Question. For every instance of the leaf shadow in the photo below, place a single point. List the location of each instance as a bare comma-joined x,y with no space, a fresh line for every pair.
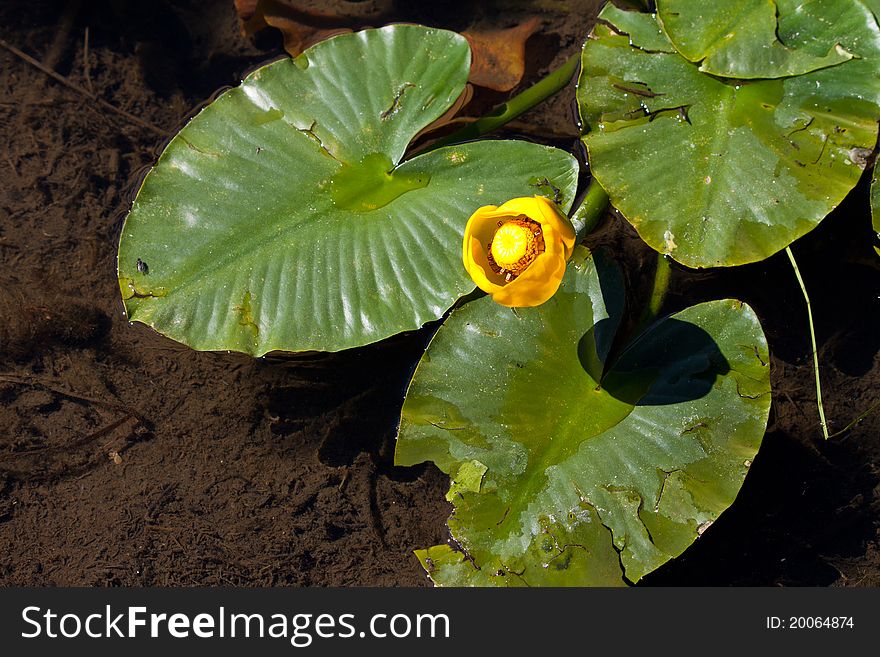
670,363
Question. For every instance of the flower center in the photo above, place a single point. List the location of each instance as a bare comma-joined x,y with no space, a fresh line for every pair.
514,246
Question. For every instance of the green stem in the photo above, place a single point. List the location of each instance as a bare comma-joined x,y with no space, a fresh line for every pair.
659,287
593,205
512,108
800,280
855,421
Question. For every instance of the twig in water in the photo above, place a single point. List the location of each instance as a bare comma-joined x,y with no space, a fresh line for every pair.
87,67
34,382
78,89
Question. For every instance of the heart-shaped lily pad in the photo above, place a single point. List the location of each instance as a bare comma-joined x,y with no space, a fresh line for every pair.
763,38
719,172
563,475
282,218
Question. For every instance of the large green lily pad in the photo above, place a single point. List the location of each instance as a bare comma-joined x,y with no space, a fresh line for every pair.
764,38
282,218
562,475
720,172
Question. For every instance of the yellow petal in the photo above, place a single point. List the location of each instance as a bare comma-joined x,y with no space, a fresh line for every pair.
477,234
559,222
527,205
480,271
535,285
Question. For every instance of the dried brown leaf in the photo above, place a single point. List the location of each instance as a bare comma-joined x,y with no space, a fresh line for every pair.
302,24
499,56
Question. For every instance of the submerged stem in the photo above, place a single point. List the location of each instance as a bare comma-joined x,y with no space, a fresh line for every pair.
512,108
659,287
856,420
800,280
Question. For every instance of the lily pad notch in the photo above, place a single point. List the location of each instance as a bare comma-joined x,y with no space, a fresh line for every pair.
284,217
720,170
570,470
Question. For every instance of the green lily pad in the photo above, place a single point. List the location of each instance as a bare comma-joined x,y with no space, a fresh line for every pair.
764,38
282,218
562,475
719,172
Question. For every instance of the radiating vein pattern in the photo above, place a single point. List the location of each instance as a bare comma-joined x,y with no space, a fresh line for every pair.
282,218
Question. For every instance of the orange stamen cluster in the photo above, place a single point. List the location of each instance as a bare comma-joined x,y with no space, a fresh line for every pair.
514,246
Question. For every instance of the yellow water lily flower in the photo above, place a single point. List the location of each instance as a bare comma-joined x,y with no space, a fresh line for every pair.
517,252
